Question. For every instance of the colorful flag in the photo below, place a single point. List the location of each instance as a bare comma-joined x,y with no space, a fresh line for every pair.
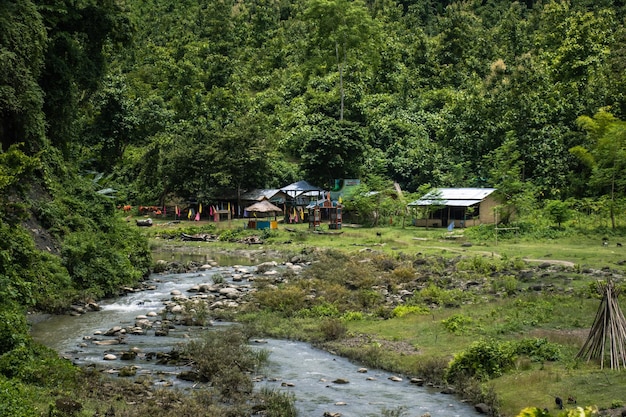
200,208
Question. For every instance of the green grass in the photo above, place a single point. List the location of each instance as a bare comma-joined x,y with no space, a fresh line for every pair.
562,314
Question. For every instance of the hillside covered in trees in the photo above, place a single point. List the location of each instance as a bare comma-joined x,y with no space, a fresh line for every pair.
191,98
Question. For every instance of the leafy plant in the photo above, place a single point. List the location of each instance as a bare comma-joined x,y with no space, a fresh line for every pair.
457,323
403,310
484,359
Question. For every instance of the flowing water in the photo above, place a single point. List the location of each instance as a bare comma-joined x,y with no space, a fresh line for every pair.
294,367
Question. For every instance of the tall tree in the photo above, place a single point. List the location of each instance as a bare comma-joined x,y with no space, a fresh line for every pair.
340,28
22,45
605,155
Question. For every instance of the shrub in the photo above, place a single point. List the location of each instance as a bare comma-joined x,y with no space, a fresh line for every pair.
333,329
13,329
506,283
403,274
319,311
15,400
441,297
277,403
36,364
286,300
403,310
224,359
538,349
457,323
352,316
482,360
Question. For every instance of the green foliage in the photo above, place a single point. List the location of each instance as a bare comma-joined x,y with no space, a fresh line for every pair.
574,412
403,310
441,297
506,283
319,311
479,264
333,329
285,300
484,359
558,211
457,323
13,329
539,350
16,399
277,403
38,365
224,359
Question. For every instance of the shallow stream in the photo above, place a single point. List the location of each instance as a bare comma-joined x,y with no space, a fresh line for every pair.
295,367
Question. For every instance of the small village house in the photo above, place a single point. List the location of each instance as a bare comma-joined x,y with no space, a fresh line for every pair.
455,207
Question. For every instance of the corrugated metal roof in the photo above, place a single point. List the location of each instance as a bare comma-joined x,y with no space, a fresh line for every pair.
260,194
300,187
460,197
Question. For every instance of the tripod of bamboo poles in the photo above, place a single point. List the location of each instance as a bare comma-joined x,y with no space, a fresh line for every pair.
609,328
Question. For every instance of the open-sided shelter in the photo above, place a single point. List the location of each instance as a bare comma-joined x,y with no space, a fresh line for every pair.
459,207
300,193
261,213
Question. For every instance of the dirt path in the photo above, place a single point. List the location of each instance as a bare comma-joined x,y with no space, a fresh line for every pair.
551,261
497,255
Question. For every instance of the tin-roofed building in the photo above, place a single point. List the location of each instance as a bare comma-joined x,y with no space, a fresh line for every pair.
459,207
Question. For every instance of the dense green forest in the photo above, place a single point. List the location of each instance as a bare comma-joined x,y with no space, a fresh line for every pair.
108,102
175,99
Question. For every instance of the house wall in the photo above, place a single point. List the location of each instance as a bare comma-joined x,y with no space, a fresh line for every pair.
487,214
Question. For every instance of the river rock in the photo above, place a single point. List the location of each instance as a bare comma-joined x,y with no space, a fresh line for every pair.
128,355
113,331
175,292
417,381
109,357
447,390
177,309
152,314
362,370
205,267
482,408
341,381
425,414
92,306
229,292
143,323
287,384
395,378
331,414
163,331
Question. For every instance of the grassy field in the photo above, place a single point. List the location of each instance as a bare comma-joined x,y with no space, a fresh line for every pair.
562,316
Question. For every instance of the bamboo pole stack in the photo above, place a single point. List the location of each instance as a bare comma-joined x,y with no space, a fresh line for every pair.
608,330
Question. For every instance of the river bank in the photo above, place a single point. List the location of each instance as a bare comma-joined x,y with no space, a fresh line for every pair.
448,295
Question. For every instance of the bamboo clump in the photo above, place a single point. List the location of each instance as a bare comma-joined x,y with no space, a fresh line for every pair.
609,328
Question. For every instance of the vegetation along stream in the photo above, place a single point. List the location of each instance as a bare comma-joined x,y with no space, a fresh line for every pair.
320,381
